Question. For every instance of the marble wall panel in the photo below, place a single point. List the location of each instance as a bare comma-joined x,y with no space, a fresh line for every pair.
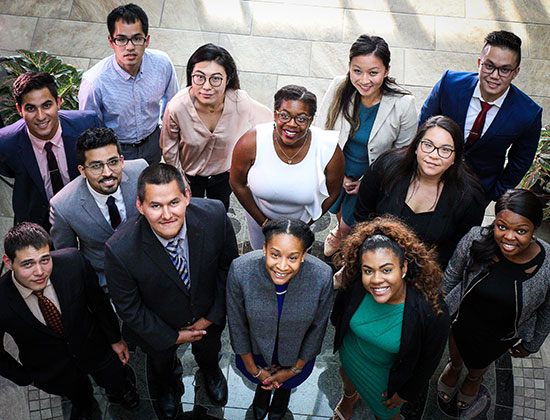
268,55
539,40
79,62
428,7
42,8
337,4
420,94
466,35
534,77
179,45
399,30
260,86
527,11
232,16
315,85
425,68
16,32
298,22
97,11
544,102
86,39
329,59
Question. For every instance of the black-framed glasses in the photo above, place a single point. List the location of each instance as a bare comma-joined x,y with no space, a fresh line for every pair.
444,152
137,41
489,68
200,79
300,119
97,167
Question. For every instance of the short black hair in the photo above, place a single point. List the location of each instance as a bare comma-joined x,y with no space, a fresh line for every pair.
129,13
296,93
211,52
293,227
24,235
94,138
33,80
505,39
159,174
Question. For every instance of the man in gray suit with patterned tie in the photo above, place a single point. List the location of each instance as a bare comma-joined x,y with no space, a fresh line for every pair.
88,210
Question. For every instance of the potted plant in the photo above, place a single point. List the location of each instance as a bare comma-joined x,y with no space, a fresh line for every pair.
68,80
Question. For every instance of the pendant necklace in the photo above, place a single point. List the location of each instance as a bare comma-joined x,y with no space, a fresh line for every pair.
289,158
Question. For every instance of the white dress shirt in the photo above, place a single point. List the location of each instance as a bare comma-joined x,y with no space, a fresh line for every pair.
475,108
101,201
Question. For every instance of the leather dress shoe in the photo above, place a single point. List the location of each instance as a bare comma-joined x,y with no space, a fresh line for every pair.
82,412
216,387
260,404
128,399
169,400
279,404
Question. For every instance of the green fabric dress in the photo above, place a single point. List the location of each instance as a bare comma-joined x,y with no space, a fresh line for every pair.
369,350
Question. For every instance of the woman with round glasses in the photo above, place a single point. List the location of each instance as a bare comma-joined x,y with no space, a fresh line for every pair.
203,122
288,168
427,185
372,113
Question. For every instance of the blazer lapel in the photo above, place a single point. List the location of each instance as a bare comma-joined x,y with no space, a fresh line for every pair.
386,105
69,144
89,206
160,257
463,98
128,197
195,241
64,304
26,153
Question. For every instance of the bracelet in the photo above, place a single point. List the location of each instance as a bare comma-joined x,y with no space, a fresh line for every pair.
260,370
265,221
295,370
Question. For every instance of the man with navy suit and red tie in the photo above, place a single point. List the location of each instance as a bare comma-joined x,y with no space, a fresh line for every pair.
498,120
39,149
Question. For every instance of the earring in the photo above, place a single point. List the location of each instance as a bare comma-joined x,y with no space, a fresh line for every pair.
403,276
274,126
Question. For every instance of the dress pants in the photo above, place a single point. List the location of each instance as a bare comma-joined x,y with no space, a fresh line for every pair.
215,187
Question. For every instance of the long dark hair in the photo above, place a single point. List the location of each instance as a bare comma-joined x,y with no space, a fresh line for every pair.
520,201
211,52
402,163
346,93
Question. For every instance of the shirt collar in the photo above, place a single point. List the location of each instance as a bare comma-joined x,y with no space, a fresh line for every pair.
25,291
125,75
56,140
102,198
182,234
498,102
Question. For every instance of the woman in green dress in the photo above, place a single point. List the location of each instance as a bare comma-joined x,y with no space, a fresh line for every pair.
391,321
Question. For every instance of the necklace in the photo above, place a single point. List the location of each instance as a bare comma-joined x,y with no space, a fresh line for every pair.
281,293
289,158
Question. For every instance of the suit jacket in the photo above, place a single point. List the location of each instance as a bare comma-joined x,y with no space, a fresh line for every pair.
74,214
252,309
423,338
394,126
146,288
89,326
17,160
516,127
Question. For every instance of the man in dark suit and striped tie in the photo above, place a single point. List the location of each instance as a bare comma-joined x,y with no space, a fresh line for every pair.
166,271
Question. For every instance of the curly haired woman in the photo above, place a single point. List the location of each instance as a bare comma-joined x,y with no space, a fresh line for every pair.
391,321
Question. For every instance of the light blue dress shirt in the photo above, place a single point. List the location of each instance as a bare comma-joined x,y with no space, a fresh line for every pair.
131,106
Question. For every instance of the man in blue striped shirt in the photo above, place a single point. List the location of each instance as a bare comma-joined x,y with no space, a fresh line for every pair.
127,88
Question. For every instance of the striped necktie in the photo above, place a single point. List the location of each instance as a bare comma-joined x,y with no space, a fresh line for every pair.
51,314
179,262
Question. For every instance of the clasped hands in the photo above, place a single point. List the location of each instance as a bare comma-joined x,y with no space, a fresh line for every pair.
193,332
273,377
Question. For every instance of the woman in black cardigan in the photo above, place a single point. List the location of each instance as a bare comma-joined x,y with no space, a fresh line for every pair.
428,186
386,266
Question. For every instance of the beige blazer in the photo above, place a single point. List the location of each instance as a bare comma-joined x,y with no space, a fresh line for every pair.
395,124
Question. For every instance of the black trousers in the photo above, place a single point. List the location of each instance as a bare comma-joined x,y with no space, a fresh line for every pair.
164,363
215,187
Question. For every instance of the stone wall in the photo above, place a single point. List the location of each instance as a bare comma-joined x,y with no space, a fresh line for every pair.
297,41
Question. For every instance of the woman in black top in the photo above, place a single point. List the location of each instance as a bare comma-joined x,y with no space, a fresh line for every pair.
427,185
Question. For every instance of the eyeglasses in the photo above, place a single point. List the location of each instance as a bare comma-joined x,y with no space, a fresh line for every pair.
489,68
137,41
200,79
443,151
286,117
97,167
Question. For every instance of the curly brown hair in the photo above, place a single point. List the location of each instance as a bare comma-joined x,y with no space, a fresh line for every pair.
424,273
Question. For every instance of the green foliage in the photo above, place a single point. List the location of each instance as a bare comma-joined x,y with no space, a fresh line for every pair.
537,177
68,80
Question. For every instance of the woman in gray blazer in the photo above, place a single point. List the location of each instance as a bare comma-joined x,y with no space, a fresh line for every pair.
278,304
372,113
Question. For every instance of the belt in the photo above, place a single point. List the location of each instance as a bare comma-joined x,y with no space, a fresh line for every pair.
142,141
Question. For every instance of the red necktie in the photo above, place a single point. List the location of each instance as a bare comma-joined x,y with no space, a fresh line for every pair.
51,314
477,128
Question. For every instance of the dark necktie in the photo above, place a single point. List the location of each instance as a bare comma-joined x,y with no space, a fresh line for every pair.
179,262
51,314
477,128
53,169
114,215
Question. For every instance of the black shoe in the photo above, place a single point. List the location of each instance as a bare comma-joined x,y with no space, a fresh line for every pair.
260,404
216,387
169,399
129,399
82,412
279,404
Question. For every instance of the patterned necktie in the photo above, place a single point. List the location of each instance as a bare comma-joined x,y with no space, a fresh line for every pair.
179,262
114,215
477,127
53,169
51,314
